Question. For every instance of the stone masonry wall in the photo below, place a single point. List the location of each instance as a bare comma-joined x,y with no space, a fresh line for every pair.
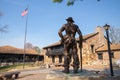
89,54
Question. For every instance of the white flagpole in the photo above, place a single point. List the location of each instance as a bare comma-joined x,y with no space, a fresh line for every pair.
25,38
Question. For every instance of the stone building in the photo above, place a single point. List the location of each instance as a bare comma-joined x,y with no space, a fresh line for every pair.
9,54
103,55
92,44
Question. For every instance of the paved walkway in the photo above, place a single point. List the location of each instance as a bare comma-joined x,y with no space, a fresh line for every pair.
57,74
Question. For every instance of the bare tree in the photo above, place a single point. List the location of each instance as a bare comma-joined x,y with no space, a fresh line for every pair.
3,29
29,45
1,13
114,35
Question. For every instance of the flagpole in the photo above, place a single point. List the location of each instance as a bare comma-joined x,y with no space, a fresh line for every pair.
26,25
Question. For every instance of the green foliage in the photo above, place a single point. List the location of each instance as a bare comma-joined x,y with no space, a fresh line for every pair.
57,1
17,66
69,2
7,68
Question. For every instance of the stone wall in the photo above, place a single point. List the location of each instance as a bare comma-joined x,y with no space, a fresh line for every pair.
116,56
89,47
91,44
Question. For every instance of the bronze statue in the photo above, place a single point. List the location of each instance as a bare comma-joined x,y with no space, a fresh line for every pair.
70,44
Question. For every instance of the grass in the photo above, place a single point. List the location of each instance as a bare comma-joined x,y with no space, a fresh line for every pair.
17,67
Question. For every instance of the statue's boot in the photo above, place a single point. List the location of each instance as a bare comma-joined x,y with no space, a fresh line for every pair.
66,70
75,70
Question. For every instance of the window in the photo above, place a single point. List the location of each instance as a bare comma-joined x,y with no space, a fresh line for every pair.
112,55
53,59
92,48
60,59
100,56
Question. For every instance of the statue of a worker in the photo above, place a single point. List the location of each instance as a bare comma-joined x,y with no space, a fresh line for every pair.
70,44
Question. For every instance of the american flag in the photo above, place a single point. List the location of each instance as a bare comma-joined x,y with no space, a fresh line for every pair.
24,12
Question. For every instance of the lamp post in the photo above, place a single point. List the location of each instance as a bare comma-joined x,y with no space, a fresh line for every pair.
106,27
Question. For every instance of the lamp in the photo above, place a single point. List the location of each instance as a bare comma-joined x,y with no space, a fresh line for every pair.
106,27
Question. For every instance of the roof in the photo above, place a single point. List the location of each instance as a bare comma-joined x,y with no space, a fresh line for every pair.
14,50
54,44
88,36
113,47
84,38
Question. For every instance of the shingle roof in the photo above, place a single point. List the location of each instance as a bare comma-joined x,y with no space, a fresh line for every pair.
14,50
88,36
84,38
54,44
113,47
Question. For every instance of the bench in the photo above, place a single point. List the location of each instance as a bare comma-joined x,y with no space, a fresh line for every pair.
9,75
1,78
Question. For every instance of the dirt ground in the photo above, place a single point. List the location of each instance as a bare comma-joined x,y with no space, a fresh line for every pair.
55,73
95,72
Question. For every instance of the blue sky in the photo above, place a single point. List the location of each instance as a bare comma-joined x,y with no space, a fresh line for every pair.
45,19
